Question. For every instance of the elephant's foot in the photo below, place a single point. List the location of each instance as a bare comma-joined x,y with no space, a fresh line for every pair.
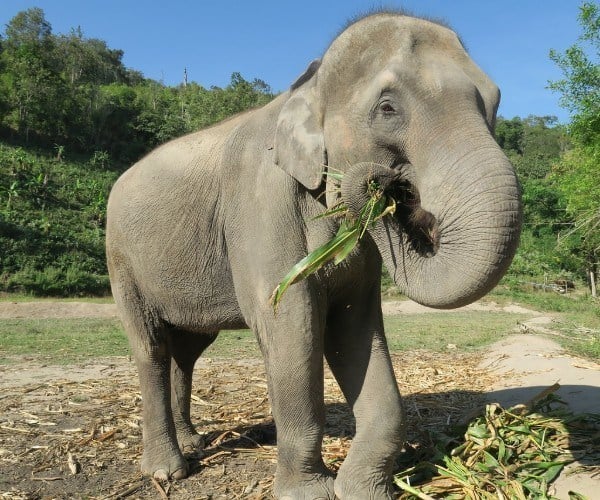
164,464
189,440
191,443
305,487
362,485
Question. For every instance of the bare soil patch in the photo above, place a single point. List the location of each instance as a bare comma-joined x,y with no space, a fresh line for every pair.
52,309
393,307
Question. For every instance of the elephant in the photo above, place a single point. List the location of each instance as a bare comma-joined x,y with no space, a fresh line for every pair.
201,230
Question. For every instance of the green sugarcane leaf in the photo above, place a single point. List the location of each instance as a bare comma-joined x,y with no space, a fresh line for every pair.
502,455
341,245
413,491
347,247
333,212
379,207
552,472
523,429
533,487
315,260
365,220
483,467
334,175
478,431
573,495
541,465
490,460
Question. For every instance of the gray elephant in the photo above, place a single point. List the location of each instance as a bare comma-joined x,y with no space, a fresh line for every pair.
200,232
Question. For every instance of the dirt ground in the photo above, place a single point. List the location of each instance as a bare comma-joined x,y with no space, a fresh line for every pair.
75,431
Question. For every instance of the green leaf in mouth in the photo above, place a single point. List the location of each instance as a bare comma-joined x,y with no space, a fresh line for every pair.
351,230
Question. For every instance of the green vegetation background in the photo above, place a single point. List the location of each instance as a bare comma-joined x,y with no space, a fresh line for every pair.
73,117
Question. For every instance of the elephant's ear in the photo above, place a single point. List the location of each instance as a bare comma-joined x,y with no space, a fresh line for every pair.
299,143
488,91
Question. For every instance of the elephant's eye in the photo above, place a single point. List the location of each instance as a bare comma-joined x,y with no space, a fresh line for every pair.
386,108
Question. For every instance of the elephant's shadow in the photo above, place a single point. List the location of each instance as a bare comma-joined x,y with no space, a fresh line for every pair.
424,431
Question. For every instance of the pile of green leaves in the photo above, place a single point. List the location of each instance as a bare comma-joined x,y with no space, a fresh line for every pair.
351,230
506,454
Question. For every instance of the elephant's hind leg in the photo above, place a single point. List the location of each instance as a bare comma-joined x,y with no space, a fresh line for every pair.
161,457
149,343
186,348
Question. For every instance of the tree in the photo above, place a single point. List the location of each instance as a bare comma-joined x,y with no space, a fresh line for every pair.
30,80
533,145
27,28
76,92
580,87
509,134
578,175
85,66
163,114
89,60
4,106
114,116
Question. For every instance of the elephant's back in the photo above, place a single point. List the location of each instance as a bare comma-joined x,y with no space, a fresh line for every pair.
163,234
167,217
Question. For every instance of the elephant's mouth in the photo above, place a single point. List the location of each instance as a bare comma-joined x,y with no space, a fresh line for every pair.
416,227
420,226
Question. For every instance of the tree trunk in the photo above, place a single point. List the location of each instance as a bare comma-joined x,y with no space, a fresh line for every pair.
593,281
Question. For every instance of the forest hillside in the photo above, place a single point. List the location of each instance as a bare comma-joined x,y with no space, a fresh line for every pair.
73,117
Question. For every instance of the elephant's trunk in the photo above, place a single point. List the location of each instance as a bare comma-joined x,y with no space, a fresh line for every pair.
455,230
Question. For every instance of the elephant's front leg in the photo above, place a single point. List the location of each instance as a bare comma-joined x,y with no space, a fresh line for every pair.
358,356
292,345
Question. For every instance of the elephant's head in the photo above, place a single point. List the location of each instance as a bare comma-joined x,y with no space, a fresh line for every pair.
397,99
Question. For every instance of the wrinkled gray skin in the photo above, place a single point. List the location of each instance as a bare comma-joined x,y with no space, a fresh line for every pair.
200,232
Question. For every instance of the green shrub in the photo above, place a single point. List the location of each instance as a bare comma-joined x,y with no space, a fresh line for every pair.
57,281
52,217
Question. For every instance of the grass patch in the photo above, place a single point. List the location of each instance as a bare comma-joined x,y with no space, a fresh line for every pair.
437,331
62,341
578,321
579,334
234,344
547,301
76,340
17,297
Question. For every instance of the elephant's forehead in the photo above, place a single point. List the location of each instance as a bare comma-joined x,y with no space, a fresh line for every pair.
397,74
431,74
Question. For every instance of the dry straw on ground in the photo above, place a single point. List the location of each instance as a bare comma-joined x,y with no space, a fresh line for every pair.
70,438
74,439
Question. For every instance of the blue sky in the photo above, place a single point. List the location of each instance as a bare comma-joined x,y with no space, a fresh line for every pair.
275,40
